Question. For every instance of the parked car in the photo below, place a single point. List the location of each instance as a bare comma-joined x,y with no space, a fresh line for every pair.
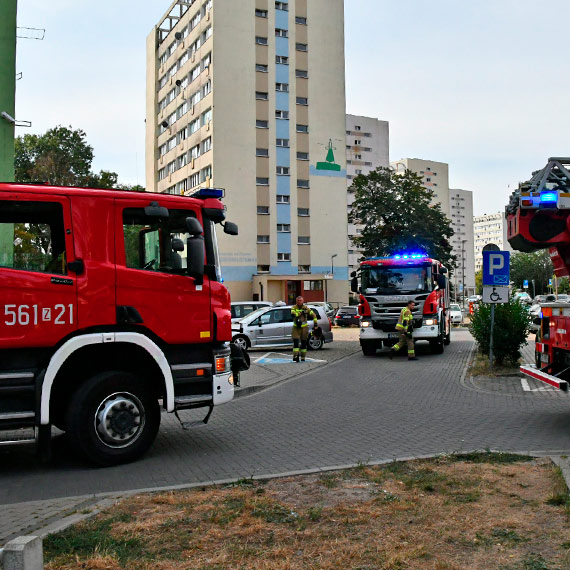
271,328
241,309
347,315
564,298
329,309
544,299
523,297
535,312
455,314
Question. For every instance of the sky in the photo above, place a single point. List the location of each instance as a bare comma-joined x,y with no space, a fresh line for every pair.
479,84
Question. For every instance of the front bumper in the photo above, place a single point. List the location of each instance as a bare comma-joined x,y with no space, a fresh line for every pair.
426,332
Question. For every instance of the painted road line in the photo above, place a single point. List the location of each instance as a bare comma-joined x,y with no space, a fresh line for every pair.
279,358
527,388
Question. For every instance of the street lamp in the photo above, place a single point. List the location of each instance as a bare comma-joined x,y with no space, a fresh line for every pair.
332,263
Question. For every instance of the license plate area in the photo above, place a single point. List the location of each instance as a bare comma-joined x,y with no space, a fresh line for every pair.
544,358
392,335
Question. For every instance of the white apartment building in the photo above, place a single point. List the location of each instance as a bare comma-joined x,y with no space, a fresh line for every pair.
250,96
367,148
435,177
489,228
461,215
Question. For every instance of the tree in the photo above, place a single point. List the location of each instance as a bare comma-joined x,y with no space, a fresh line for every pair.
61,157
532,266
479,282
398,214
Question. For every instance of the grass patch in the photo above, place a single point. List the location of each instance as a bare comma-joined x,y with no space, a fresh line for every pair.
445,513
480,366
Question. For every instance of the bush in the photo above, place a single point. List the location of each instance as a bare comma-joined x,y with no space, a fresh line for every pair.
512,325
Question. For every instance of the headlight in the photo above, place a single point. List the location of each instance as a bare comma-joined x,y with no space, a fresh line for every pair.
365,324
430,322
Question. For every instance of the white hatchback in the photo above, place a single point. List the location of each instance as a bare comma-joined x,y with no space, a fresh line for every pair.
455,314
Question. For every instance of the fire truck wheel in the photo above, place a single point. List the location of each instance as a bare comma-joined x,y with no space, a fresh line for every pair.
112,418
448,337
438,344
368,348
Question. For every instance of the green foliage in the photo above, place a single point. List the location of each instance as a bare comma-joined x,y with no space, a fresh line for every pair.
479,282
512,325
397,213
536,265
61,157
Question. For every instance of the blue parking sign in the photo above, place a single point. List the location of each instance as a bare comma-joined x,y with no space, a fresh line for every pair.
496,268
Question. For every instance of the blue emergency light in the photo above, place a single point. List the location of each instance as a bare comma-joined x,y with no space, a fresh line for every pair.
209,193
548,197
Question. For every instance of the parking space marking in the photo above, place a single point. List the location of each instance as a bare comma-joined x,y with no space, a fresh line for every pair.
527,388
280,358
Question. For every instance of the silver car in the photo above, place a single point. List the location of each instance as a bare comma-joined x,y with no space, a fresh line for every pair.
455,314
271,328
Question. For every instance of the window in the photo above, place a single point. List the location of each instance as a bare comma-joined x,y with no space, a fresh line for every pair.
194,180
282,6
281,33
282,170
282,59
263,268
262,124
153,244
263,210
261,13
301,73
261,67
303,212
302,128
284,228
302,101
261,152
283,87
206,145
304,268
358,156
282,142
302,183
262,95
195,151
261,41
301,47
303,240
281,114
283,257
262,239
357,127
302,156
282,199
313,285
300,20
262,181
206,117
35,237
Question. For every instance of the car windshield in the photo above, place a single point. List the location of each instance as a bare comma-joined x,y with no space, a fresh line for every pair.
255,313
455,307
396,280
349,310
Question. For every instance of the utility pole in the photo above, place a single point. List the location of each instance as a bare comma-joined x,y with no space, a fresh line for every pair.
8,22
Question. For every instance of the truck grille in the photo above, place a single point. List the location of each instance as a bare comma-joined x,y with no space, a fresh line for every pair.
385,311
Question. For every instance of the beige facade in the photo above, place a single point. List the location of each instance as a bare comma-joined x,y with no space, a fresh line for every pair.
249,97
461,215
489,228
435,177
367,148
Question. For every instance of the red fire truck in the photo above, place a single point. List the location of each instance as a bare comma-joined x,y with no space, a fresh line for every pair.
538,217
110,302
387,284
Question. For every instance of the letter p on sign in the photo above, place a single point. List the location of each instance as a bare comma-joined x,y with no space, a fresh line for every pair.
496,269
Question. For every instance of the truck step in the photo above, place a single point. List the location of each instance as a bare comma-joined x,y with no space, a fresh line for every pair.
16,420
8,379
183,401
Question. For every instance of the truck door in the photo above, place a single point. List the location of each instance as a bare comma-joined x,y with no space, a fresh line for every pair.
38,294
153,289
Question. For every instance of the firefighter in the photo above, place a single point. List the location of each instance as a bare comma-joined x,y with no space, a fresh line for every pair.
301,315
405,327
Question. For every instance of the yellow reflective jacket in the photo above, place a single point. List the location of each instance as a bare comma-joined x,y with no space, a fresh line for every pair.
405,319
303,314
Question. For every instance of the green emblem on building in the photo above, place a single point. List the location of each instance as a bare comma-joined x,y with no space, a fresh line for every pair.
330,163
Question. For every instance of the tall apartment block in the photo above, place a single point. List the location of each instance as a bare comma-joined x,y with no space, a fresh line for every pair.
435,177
367,148
250,96
461,215
489,228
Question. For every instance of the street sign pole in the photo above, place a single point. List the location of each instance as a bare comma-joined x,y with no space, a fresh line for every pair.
491,340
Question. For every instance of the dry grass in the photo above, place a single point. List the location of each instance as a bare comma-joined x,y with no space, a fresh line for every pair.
480,366
442,514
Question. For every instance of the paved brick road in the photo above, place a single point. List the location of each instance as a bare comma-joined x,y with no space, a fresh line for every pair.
358,409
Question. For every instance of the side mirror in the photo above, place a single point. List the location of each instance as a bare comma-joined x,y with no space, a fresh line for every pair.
353,274
231,228
196,257
443,270
354,284
156,211
177,244
193,226
441,281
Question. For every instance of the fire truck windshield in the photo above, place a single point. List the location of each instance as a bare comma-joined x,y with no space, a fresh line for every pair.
384,280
